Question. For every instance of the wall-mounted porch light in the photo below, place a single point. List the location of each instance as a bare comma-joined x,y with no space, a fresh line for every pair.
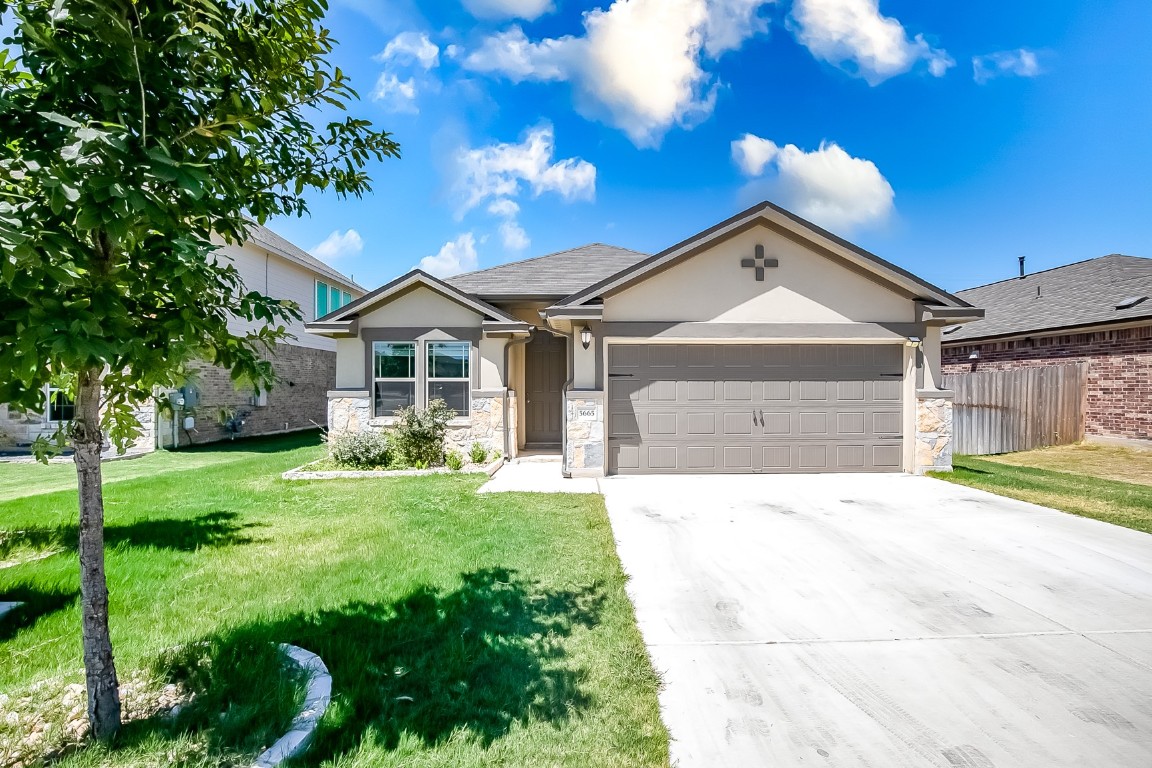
975,355
585,337
913,341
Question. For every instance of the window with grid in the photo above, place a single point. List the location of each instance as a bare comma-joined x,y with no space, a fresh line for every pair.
448,374
394,376
60,407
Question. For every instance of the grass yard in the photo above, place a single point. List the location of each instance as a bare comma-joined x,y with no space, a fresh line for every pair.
460,630
1104,483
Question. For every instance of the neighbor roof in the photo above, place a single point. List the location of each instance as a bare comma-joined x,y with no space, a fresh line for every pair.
1080,294
548,277
271,241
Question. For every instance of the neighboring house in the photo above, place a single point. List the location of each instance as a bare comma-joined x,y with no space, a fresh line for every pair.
763,344
305,365
1097,312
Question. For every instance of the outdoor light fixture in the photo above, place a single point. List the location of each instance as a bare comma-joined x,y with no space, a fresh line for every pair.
585,337
913,341
974,356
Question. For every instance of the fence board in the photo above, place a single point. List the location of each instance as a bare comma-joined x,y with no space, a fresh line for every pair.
1004,411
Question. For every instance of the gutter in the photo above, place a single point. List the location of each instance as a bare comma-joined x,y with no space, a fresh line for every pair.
507,350
564,470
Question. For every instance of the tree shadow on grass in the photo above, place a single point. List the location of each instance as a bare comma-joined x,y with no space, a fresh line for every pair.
478,659
181,534
35,603
259,443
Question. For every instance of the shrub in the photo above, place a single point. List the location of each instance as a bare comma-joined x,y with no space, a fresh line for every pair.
454,460
364,450
478,453
419,434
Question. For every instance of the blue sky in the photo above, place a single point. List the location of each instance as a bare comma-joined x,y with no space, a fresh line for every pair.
946,137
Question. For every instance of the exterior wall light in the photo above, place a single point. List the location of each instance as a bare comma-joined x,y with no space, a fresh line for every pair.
975,355
913,341
585,337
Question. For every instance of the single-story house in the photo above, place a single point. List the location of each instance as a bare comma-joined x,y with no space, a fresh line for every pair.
304,364
762,344
1097,312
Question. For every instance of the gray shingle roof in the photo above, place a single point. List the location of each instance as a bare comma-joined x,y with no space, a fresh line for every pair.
271,241
1084,293
553,276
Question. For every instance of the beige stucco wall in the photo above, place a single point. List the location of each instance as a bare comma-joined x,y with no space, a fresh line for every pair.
421,307
491,363
711,286
350,364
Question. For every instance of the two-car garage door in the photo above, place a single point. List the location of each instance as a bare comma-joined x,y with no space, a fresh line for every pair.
754,408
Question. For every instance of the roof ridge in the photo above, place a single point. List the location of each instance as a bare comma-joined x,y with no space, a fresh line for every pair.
1052,269
543,256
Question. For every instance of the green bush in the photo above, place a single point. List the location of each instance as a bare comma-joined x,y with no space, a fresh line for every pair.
363,450
419,434
454,460
478,453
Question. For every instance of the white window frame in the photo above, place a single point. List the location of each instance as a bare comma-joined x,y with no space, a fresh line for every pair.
414,378
429,379
49,390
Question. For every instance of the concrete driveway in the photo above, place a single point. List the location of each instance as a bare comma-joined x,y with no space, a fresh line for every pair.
886,620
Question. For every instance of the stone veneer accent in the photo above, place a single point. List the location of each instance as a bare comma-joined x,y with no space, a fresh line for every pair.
20,428
933,449
584,444
351,411
1119,397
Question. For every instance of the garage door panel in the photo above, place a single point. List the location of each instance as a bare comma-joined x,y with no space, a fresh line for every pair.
755,408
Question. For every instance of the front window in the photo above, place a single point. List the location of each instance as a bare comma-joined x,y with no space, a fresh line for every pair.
394,374
60,407
448,374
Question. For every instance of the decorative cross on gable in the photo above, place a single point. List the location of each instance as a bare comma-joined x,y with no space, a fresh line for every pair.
759,263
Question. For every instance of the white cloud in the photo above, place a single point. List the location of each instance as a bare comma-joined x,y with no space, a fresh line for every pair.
396,95
412,53
504,170
411,48
513,236
339,245
853,35
508,9
454,257
638,65
827,186
503,207
1019,63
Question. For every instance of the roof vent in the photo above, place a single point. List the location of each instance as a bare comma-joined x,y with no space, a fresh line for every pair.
1130,302
952,329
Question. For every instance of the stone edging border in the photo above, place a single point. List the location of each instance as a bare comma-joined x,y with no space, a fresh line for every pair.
302,472
316,699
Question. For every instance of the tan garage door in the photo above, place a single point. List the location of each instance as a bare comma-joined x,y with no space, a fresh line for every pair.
754,408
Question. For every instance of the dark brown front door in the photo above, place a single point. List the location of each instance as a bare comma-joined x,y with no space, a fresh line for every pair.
545,371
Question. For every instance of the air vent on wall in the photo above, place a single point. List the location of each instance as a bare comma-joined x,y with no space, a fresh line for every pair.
1130,302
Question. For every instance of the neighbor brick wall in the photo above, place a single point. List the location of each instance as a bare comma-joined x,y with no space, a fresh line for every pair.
299,400
1119,372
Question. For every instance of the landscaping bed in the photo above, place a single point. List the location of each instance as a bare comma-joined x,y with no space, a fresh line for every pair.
459,629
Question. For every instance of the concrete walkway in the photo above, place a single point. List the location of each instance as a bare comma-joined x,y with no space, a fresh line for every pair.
537,474
887,621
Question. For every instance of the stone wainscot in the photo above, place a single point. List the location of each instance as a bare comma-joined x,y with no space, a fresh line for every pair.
584,422
351,411
933,431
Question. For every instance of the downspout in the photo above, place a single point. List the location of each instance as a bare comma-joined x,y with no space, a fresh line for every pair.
507,389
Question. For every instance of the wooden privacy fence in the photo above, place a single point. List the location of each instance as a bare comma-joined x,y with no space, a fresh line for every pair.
1003,411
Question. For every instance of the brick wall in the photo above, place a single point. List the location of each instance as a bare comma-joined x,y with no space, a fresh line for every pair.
1119,372
299,400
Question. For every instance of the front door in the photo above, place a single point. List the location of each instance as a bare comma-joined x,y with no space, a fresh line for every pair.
544,375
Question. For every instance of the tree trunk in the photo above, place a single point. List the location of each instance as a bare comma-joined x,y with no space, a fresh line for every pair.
99,666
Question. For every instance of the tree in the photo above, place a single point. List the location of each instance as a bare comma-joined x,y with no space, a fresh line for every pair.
134,132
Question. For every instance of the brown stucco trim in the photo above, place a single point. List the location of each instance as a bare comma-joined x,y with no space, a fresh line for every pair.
753,332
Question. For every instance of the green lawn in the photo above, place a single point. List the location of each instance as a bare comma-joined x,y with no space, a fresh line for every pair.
1076,490
460,630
